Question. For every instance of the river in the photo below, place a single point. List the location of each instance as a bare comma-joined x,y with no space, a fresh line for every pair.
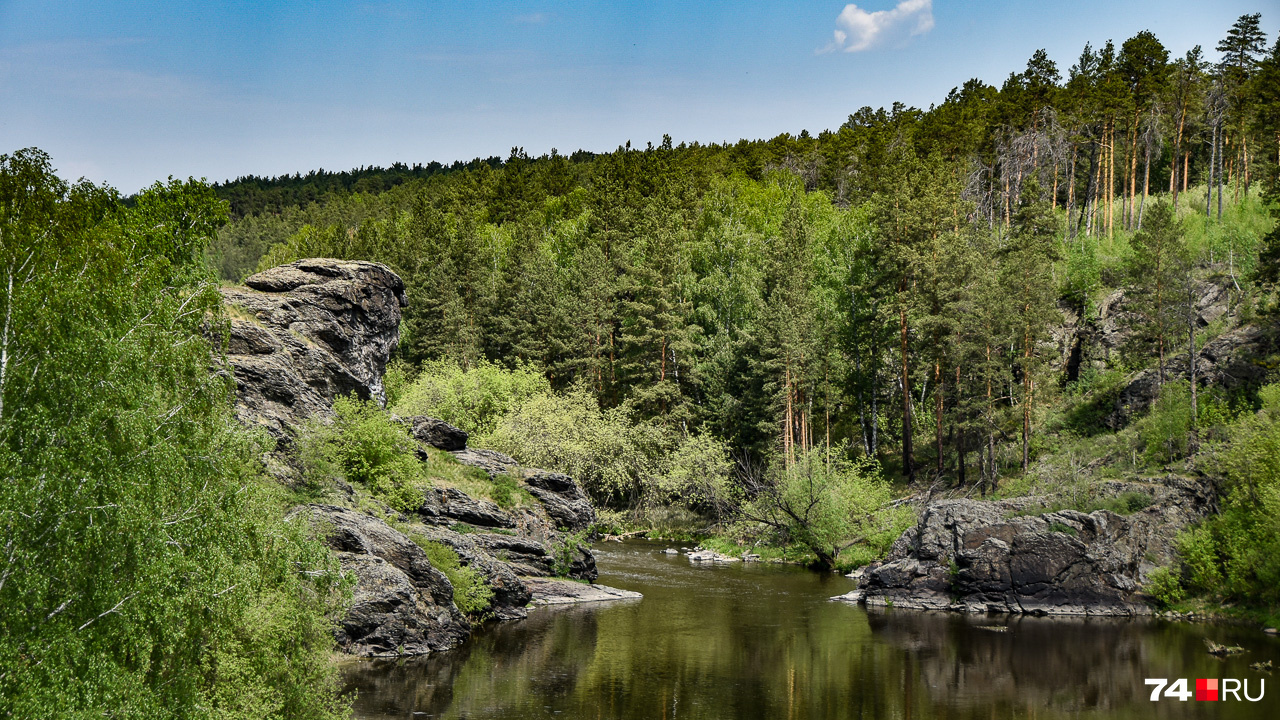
762,641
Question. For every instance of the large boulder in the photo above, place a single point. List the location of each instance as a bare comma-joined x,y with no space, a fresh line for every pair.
981,556
402,605
436,433
302,334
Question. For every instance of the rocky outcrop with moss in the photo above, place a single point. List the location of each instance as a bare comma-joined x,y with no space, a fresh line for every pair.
306,333
1016,556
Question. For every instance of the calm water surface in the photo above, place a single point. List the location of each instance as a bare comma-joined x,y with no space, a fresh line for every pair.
763,641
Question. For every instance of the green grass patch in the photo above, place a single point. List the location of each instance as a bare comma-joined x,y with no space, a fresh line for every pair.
471,593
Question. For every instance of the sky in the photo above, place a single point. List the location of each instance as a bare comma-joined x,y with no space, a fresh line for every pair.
130,92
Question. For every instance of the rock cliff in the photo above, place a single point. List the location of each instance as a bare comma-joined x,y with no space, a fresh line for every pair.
305,333
1002,556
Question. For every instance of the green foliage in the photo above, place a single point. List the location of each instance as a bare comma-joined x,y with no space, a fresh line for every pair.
474,399
471,593
827,505
146,569
1166,430
1164,587
370,449
1198,551
397,380
569,432
1242,544
505,491
1062,528
565,550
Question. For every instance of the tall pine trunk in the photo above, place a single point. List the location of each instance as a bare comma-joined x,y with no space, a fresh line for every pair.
908,465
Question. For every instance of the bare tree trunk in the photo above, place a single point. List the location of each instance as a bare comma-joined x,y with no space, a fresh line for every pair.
907,463
1191,365
937,409
1213,155
1221,152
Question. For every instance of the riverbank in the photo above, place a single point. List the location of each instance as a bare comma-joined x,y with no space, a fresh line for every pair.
761,640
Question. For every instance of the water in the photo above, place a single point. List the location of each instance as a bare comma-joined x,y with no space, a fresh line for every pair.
762,641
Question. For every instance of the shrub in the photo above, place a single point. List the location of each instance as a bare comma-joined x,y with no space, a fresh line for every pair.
1166,430
828,506
1163,586
1199,553
471,593
475,399
147,568
608,455
372,450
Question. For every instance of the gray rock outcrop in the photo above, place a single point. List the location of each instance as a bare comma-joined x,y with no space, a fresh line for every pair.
436,433
977,556
402,605
302,334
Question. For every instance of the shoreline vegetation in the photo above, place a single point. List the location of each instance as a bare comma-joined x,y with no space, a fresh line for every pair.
787,347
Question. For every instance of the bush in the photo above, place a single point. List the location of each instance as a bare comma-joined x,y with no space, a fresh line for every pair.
475,399
1199,553
828,506
366,447
1166,430
1237,553
612,458
1163,586
471,593
147,569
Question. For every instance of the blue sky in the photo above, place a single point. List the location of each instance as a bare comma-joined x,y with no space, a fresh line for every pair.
131,92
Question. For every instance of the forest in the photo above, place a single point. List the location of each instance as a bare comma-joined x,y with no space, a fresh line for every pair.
771,343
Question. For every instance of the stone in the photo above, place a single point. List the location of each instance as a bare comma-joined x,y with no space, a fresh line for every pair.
402,605
977,556
305,333
436,433
710,556
444,504
569,507
490,461
853,596
549,591
510,594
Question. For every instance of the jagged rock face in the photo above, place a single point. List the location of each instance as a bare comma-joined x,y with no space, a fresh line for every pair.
305,333
1230,360
565,502
510,594
973,556
444,504
402,605
436,433
1099,340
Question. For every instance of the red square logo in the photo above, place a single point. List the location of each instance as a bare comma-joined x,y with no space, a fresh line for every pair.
1207,689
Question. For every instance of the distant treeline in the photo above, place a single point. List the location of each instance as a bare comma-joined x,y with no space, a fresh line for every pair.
890,284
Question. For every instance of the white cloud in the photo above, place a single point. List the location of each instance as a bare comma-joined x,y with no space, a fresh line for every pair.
857,29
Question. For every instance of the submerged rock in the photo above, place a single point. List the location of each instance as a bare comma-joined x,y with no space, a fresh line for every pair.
977,556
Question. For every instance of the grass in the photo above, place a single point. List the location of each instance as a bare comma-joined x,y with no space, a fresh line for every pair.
445,471
471,593
1124,504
